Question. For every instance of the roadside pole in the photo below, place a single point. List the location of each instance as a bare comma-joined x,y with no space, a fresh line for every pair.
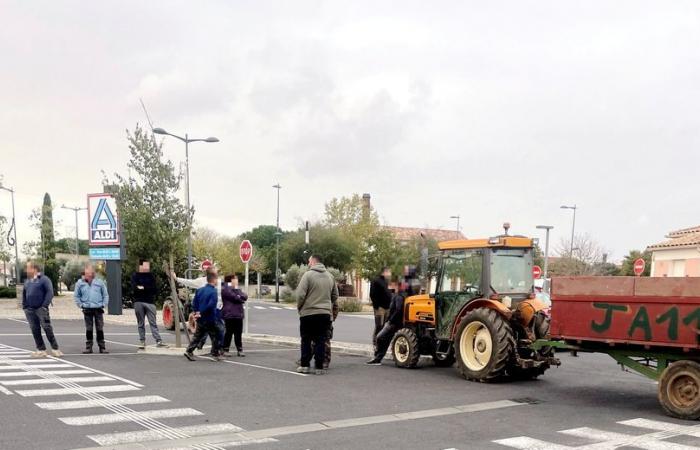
245,305
176,302
245,251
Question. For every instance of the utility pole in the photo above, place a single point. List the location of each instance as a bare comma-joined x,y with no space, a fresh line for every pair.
75,209
13,241
456,217
546,247
277,257
573,228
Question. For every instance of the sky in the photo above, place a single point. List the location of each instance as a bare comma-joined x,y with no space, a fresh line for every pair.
495,111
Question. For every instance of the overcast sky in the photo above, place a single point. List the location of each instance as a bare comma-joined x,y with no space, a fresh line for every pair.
496,111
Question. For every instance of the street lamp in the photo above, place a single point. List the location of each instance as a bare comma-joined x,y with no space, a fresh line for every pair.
573,228
187,141
456,217
546,246
277,237
13,227
75,209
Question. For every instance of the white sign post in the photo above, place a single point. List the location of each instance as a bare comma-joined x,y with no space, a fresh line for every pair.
246,253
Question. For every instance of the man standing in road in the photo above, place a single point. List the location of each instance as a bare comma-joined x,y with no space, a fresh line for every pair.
204,307
381,299
317,294
144,287
92,298
36,298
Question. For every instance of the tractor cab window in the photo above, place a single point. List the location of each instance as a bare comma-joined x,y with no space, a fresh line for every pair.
511,270
461,271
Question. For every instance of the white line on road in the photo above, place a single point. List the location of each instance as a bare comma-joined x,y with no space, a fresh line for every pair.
80,404
259,307
70,334
100,419
5,391
257,367
47,365
76,390
54,381
690,430
275,307
25,361
152,435
24,373
18,320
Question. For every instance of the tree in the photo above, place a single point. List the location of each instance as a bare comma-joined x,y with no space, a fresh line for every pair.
357,223
67,245
628,263
154,221
264,241
588,258
380,250
222,250
329,243
47,235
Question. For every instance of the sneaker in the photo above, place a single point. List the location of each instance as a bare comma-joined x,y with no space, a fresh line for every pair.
374,362
227,354
104,350
189,356
39,354
161,344
301,369
321,371
142,345
240,354
57,353
326,366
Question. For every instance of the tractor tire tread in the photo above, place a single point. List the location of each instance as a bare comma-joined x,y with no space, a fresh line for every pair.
503,340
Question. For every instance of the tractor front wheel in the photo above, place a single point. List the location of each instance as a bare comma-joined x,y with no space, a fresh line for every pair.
679,390
405,348
168,315
484,345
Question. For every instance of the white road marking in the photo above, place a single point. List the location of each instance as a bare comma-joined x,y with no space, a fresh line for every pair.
360,316
526,443
17,320
80,404
73,334
690,430
258,367
48,372
275,307
26,361
5,391
46,365
100,419
57,380
152,435
290,308
259,307
76,390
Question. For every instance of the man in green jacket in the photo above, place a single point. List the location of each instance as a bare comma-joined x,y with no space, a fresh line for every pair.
317,295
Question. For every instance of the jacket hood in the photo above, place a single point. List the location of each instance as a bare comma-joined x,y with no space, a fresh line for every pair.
318,268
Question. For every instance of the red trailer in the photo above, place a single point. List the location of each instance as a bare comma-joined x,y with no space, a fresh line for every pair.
650,325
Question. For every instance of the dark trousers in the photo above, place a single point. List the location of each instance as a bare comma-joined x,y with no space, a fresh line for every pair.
314,329
384,339
380,316
145,311
94,319
205,329
234,328
38,318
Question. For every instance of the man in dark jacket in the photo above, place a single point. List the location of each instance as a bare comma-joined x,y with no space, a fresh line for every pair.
233,313
36,298
381,298
143,285
392,325
204,307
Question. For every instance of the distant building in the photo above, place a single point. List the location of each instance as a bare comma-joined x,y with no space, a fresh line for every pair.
678,256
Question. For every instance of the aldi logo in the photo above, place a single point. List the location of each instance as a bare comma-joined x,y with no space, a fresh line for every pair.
104,222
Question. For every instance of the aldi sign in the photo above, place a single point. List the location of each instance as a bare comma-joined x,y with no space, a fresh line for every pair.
104,222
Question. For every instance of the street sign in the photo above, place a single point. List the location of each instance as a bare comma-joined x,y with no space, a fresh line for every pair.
246,251
105,253
103,222
639,265
206,264
536,272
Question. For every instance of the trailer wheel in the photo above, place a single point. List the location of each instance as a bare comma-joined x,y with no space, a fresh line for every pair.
405,348
484,345
168,315
679,390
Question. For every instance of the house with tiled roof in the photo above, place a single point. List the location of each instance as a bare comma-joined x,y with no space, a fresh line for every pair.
678,255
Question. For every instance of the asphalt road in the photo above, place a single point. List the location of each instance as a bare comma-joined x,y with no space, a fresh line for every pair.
185,404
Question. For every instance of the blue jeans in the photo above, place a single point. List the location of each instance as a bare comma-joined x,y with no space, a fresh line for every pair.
38,318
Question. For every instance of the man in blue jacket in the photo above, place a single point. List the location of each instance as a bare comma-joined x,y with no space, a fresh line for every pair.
36,298
91,296
204,307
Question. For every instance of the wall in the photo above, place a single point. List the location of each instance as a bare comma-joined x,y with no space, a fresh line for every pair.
679,262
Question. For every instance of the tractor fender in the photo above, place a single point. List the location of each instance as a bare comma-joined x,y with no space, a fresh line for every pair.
499,307
527,310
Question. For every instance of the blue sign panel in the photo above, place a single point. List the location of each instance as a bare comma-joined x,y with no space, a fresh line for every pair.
105,253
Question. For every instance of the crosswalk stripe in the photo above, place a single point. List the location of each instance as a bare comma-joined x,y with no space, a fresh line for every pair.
275,307
54,380
239,443
101,419
259,307
81,404
154,435
527,443
38,366
25,361
47,372
15,356
76,390
290,308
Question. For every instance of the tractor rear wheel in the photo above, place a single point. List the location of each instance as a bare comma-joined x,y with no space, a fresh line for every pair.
484,345
679,390
405,348
168,315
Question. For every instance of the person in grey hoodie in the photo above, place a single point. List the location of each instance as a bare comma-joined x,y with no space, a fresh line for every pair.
317,294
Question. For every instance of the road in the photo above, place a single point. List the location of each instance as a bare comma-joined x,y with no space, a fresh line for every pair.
126,399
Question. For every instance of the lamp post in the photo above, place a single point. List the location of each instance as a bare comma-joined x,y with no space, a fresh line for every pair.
573,228
75,209
277,237
187,141
13,227
456,217
546,247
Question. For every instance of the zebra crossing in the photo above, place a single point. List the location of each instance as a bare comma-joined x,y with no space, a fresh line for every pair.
39,378
289,308
656,436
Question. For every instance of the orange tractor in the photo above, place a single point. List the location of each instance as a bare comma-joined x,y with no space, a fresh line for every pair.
483,313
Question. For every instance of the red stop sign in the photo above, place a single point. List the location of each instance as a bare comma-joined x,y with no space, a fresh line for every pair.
206,264
536,272
246,251
639,265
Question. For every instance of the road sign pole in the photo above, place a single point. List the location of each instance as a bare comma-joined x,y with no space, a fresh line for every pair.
245,305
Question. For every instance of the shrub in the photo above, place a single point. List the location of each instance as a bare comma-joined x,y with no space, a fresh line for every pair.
350,304
71,274
293,276
8,292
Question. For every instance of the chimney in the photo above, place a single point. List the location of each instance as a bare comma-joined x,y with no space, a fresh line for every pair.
366,204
